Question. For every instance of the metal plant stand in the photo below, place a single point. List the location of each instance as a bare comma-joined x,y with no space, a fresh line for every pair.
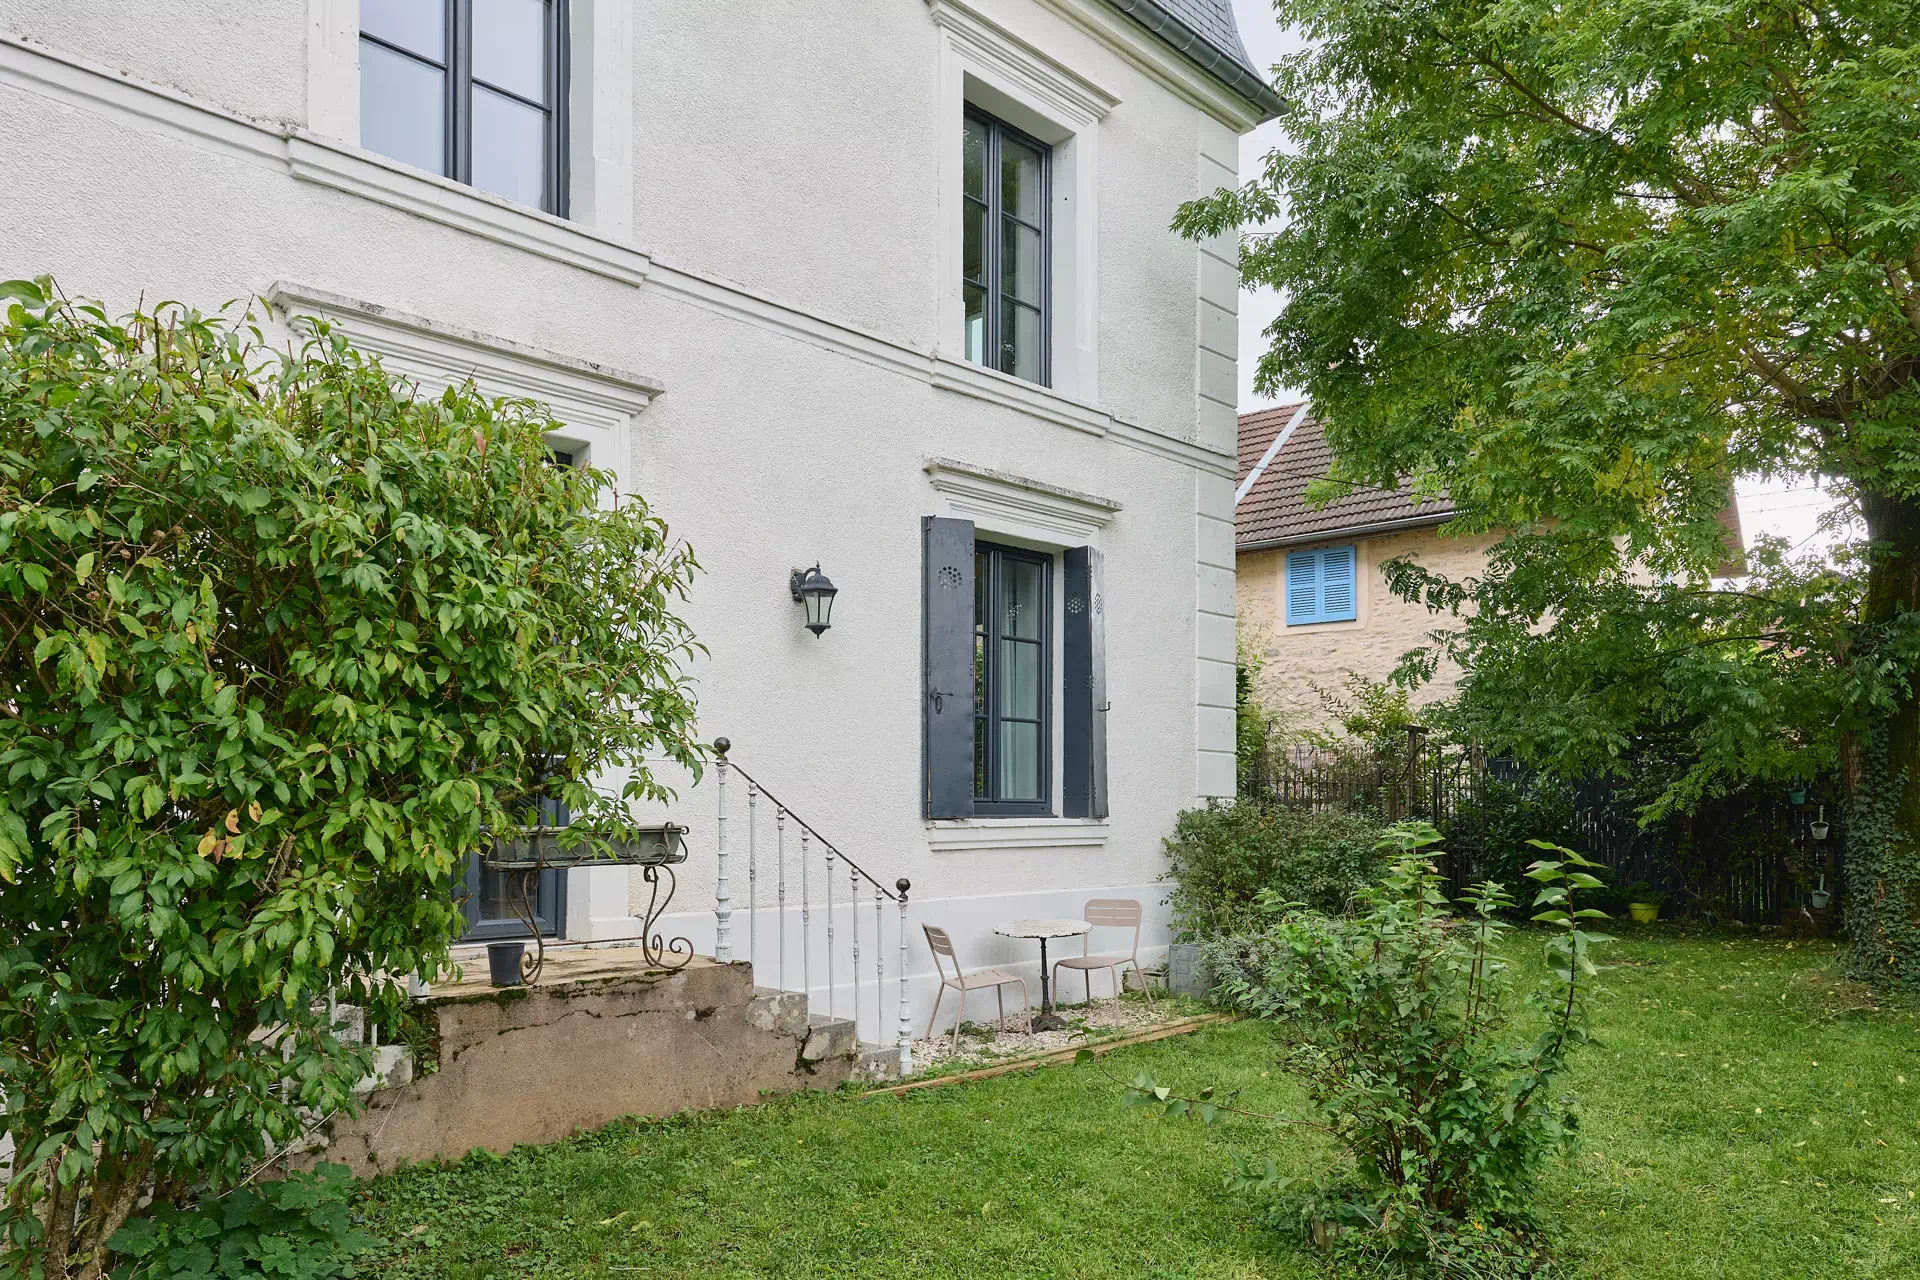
656,850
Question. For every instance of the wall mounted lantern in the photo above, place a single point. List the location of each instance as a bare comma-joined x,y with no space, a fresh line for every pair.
813,589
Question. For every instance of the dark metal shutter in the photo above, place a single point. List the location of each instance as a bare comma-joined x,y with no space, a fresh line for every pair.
1084,686
946,594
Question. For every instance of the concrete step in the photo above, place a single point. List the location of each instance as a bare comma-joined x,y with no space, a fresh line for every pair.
829,1038
877,1063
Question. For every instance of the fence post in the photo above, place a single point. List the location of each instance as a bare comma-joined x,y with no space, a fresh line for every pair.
722,900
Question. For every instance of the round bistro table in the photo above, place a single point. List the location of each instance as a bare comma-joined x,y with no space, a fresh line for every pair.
1043,930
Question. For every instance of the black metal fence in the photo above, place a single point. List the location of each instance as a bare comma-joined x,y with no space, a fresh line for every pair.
1758,856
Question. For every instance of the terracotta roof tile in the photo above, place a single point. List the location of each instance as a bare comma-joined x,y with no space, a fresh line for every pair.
1275,511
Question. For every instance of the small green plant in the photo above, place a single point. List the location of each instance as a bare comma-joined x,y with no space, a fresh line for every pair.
1222,857
1643,893
300,1228
1403,1034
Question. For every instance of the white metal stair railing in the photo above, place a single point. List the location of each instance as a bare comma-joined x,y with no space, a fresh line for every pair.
794,887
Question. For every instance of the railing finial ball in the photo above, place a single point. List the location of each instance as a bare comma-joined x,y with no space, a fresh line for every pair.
722,746
902,885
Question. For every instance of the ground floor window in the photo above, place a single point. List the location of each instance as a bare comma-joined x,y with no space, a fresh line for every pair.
1012,638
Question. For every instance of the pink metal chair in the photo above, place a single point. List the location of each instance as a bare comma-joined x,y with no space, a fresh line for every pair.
1119,913
998,979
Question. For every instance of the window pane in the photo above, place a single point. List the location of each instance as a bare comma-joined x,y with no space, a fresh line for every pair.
1020,275
403,108
1020,191
1024,599
510,45
1019,761
1020,340
973,241
509,148
976,324
974,160
419,25
1020,679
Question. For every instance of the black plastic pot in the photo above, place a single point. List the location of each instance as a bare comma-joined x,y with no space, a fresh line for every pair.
503,963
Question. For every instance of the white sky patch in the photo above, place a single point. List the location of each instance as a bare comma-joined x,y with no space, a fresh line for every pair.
1790,507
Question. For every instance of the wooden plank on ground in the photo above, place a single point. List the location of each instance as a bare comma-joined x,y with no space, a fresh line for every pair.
1178,1027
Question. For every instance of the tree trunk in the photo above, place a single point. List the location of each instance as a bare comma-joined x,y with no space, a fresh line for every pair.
1883,767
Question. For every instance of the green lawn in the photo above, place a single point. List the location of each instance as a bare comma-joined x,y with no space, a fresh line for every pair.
1744,1117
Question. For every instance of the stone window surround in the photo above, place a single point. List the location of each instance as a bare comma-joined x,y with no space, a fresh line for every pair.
1047,517
599,100
987,66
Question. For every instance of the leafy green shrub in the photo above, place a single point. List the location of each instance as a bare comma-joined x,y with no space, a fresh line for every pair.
1401,1028
282,643
300,1228
1222,857
1491,832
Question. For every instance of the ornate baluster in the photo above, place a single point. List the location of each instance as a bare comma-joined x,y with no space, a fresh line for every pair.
879,973
853,882
906,1022
780,865
829,931
806,919
722,901
753,888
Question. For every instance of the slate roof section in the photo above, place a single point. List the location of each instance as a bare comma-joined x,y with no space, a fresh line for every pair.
1204,31
1275,513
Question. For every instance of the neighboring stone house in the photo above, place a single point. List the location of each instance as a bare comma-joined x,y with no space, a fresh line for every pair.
1312,599
885,288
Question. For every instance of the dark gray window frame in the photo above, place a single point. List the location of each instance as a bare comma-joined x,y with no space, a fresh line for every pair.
457,144
549,898
987,719
993,246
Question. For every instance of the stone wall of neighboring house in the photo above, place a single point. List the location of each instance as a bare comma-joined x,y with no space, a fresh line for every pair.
1299,661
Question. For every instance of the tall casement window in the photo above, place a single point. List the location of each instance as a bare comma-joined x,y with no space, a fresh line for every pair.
1007,248
473,90
1012,639
992,646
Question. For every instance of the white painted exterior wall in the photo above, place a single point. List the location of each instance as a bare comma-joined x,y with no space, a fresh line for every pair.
753,319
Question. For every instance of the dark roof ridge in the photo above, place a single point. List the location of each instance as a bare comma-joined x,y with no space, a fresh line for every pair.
1205,32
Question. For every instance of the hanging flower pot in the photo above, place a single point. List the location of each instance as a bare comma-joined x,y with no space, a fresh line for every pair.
1818,827
1821,898
1797,795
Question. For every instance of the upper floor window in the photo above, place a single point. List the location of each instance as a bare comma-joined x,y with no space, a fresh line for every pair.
473,90
1007,248
1321,586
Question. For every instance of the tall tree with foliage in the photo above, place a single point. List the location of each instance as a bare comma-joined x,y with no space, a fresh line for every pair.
284,644
1582,264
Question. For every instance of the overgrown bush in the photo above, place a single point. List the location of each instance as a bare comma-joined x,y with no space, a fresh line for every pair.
1492,831
282,645
1221,858
299,1228
1400,1023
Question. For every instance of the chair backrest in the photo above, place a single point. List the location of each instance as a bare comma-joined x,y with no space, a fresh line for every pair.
941,945
1122,913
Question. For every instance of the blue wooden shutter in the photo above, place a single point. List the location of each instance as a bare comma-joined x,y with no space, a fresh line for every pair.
1303,587
947,651
1084,687
1337,585
1322,586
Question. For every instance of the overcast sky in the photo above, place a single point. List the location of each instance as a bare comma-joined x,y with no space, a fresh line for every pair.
1791,509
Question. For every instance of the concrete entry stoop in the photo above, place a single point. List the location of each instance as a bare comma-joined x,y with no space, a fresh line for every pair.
601,1037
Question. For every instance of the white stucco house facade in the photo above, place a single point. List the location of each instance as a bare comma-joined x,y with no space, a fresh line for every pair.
831,285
